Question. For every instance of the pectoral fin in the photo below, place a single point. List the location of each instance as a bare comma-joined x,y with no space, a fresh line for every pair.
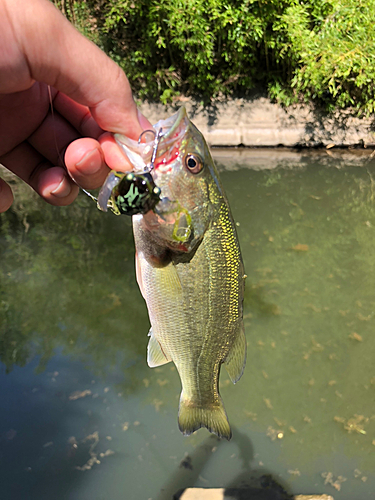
138,274
236,359
156,356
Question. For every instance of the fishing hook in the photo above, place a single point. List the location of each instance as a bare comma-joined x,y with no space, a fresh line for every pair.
157,138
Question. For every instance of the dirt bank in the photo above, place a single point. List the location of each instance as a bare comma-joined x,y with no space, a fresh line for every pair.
258,122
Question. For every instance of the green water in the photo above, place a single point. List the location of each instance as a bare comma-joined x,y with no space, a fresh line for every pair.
83,417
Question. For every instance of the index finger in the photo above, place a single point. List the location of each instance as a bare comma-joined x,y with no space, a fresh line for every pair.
77,115
63,58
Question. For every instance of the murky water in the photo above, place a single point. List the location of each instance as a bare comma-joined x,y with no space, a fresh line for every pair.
83,417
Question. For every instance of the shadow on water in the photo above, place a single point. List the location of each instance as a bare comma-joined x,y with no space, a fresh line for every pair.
257,484
255,300
190,468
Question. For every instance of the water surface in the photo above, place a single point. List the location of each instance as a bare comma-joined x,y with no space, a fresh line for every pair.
83,417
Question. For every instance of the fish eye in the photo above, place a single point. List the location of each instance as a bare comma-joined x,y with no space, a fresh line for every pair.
194,163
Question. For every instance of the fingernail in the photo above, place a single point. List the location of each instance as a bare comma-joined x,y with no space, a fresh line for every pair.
63,189
91,162
144,123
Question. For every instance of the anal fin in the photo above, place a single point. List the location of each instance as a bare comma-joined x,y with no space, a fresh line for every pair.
156,356
236,359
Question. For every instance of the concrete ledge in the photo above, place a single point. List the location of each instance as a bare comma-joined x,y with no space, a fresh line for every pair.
239,494
259,122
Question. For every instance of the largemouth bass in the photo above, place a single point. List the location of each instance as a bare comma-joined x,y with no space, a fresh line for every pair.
190,272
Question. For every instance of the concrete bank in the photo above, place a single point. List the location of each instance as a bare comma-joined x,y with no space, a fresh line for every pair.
258,122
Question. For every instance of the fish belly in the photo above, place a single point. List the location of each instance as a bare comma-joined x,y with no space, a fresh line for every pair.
195,310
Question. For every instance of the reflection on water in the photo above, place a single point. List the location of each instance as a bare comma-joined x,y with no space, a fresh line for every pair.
81,414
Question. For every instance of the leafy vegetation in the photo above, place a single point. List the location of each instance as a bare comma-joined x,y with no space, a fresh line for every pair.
189,47
320,51
335,52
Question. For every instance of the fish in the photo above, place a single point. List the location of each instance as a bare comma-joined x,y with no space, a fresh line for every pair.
190,271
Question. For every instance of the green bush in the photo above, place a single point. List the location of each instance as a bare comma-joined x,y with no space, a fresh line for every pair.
321,51
336,52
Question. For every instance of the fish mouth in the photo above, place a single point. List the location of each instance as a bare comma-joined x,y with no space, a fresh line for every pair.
140,153
162,139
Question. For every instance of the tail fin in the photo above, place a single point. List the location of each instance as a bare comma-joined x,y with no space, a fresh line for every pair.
214,418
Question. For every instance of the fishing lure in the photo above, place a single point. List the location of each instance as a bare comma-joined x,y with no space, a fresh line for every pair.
133,192
129,194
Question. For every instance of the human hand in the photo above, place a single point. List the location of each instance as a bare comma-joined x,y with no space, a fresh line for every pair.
43,57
